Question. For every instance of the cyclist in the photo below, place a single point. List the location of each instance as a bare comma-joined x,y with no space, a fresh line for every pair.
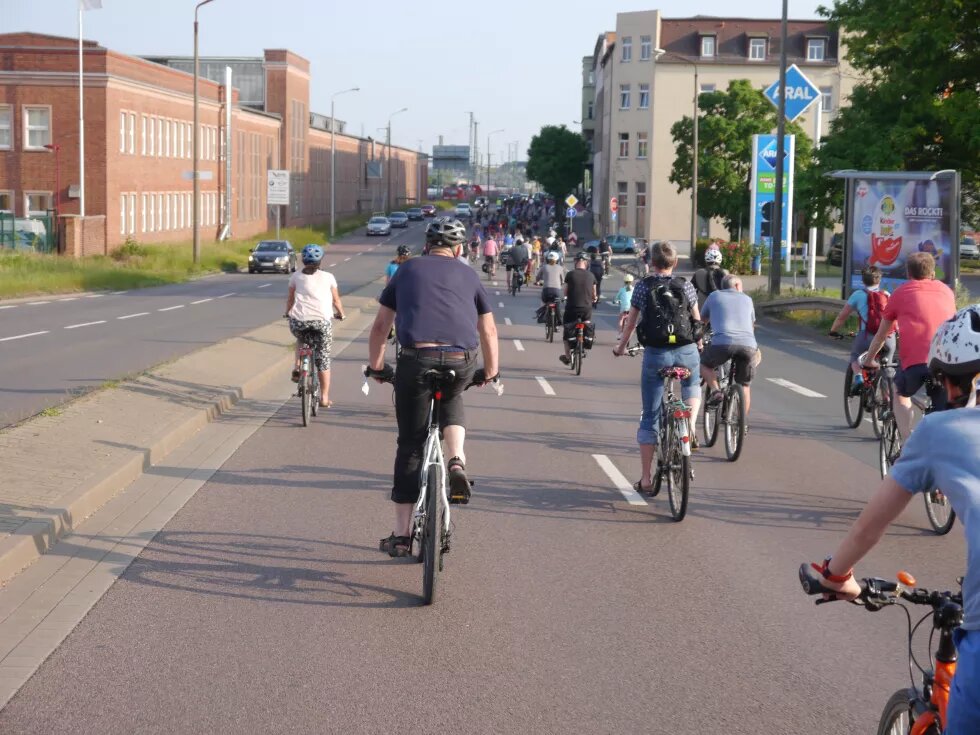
597,270
868,303
918,307
401,255
474,247
944,452
623,298
551,276
490,254
663,260
580,297
535,252
732,317
518,258
311,305
605,252
442,314
708,279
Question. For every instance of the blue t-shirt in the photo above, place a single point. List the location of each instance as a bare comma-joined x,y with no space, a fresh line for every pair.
623,298
944,452
732,317
436,299
859,302
390,270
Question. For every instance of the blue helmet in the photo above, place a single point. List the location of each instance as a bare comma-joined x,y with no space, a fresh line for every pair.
312,254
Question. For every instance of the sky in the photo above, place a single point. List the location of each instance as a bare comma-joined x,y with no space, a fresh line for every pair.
516,64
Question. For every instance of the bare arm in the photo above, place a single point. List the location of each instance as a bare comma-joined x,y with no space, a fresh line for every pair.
290,299
379,336
882,334
841,318
487,328
631,320
338,308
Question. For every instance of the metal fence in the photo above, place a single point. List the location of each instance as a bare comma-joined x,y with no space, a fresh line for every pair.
34,234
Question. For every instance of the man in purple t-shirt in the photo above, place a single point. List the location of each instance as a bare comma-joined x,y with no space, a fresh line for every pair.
441,314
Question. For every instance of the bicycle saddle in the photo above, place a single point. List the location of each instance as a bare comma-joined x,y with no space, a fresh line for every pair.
439,375
681,373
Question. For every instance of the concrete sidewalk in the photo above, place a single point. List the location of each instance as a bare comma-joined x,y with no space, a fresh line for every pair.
58,469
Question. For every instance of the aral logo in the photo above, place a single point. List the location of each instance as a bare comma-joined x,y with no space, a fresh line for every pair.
768,155
887,205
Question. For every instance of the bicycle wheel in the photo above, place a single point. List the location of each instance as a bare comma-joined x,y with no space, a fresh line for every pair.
315,394
549,328
853,404
709,424
578,356
890,444
431,536
940,512
734,421
881,397
678,479
304,398
897,717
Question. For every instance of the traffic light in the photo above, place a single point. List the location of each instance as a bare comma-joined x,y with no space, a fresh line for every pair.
765,227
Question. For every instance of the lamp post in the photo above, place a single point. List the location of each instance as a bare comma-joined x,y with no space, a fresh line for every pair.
333,157
490,135
657,53
196,197
56,148
388,192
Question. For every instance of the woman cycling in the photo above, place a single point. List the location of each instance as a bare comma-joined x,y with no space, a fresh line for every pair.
401,255
311,306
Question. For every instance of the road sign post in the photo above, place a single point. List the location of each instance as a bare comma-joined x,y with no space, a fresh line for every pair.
277,191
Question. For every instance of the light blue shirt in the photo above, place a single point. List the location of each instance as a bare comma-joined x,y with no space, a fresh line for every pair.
859,302
390,270
732,317
944,452
623,298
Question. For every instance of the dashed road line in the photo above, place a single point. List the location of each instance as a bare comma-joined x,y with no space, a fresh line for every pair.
226,295
85,324
265,285
346,259
37,303
621,483
22,336
332,265
70,298
796,388
94,295
508,322
500,304
203,301
9,306
133,316
118,293
545,385
496,293
171,308
518,345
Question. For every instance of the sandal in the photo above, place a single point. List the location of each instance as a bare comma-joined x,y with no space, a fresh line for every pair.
396,546
650,492
328,404
459,484
295,375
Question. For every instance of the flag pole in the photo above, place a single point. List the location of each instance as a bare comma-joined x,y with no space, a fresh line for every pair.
81,116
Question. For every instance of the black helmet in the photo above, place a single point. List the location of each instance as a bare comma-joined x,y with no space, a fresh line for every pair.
403,250
446,232
582,256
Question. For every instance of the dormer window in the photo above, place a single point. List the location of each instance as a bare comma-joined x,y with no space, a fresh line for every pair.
816,49
757,49
708,47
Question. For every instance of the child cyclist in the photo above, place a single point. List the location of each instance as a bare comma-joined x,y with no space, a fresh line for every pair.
623,298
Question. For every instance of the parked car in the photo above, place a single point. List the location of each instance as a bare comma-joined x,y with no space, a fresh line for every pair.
415,214
969,249
398,219
272,255
428,210
379,226
835,256
463,210
619,243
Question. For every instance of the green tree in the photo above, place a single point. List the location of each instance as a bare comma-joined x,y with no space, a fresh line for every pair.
726,123
918,107
556,160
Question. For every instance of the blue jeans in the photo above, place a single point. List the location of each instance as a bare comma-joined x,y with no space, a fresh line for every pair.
963,713
652,385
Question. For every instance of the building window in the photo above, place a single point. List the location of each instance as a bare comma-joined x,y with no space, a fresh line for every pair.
6,126
131,132
190,143
132,214
642,143
159,136
148,213
705,88
174,137
707,47
827,98
180,139
142,212
816,49
143,135
150,148
122,214
167,151
757,49
591,111
624,96
646,48
37,127
591,77
644,96
122,132
624,145
38,202
627,44
161,223
7,202
641,207
622,197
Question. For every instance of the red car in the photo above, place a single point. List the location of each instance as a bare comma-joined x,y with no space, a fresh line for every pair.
428,210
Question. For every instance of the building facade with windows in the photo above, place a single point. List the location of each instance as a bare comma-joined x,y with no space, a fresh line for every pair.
646,72
139,142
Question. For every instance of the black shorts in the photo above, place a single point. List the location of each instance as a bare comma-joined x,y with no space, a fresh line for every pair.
744,357
577,314
909,380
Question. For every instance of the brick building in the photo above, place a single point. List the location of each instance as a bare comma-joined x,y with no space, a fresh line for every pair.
138,143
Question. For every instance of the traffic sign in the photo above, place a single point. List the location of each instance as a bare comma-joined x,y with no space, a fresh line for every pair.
571,212
571,200
800,93
613,215
278,187
613,205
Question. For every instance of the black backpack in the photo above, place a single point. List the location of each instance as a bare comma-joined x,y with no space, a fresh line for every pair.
667,320
710,280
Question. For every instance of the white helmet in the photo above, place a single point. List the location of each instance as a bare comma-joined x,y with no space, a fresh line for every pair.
955,350
552,256
550,240
712,256
628,278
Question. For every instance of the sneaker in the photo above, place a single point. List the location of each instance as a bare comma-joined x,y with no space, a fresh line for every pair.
565,360
459,484
295,375
715,398
856,388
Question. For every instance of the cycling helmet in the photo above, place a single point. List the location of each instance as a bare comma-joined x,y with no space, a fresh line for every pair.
955,350
446,232
581,256
312,254
628,278
712,256
552,256
404,250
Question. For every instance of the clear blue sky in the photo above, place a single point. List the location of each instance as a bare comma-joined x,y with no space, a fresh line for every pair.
514,63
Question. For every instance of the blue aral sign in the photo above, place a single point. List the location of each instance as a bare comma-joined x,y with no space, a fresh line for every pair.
763,188
767,155
800,93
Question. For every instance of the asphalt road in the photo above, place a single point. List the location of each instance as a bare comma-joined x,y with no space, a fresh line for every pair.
55,347
264,605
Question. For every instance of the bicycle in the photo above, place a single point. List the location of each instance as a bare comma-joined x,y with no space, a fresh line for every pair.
872,396
490,266
309,383
550,320
431,528
711,414
578,346
920,710
606,258
516,281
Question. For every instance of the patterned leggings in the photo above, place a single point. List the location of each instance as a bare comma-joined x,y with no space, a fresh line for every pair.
318,334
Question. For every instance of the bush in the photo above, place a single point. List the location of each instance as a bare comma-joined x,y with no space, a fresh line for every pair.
130,249
736,257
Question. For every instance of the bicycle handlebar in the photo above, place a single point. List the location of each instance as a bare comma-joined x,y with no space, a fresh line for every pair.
839,336
387,375
876,592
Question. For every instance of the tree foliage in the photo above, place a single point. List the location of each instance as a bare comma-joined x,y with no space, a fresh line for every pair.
726,123
556,160
918,107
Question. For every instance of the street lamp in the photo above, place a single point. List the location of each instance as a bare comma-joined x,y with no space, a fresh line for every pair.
657,53
56,147
196,203
489,135
388,193
333,157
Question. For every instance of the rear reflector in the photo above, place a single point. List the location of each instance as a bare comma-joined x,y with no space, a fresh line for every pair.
681,414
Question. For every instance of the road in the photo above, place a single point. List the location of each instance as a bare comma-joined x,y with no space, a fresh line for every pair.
52,348
264,605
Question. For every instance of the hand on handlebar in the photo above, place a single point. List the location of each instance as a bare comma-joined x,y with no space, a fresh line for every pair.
385,375
480,378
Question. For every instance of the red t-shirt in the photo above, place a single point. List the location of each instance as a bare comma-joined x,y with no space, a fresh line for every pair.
919,307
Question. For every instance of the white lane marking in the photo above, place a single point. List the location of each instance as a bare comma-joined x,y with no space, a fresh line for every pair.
545,386
495,283
9,306
508,322
171,308
133,316
202,301
226,295
621,483
94,295
37,303
22,336
332,265
500,304
265,285
85,324
358,253
496,293
118,293
518,345
346,259
70,298
796,388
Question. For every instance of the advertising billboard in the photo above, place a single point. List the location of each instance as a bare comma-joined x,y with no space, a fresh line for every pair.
762,186
890,218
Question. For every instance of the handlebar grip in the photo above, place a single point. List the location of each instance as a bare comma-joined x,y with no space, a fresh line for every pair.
813,585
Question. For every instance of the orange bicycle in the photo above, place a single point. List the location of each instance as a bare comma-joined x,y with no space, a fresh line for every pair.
915,710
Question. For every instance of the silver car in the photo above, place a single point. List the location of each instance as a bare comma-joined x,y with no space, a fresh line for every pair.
378,226
968,249
464,210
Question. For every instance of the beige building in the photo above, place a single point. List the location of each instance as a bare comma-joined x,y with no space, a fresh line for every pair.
644,83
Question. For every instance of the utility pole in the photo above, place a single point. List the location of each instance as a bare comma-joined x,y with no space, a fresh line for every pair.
476,159
775,262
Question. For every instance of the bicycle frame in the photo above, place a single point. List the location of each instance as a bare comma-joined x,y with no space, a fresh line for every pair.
673,409
432,456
